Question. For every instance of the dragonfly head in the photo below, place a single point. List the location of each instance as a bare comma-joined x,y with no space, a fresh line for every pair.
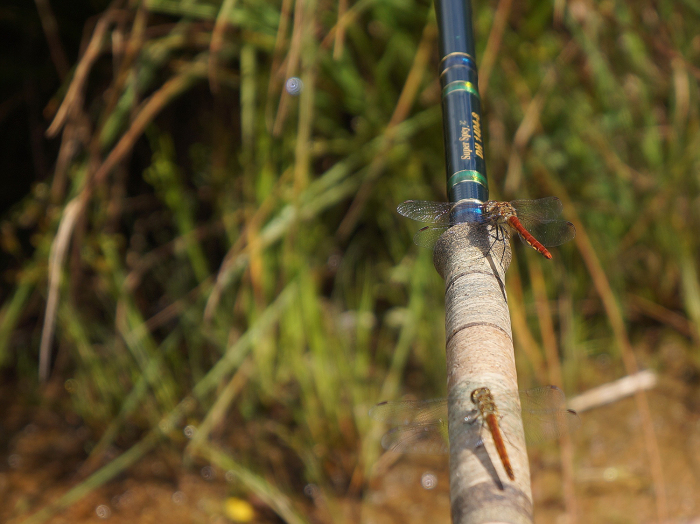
500,211
479,393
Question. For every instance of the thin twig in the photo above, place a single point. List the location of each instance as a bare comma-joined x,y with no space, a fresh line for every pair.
493,44
48,23
148,111
293,58
56,258
217,39
218,410
308,72
613,391
74,95
340,31
275,67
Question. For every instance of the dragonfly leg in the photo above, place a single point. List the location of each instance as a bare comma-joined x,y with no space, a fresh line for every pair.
494,241
471,417
500,236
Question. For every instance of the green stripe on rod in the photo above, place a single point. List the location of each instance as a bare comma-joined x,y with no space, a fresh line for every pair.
467,176
460,86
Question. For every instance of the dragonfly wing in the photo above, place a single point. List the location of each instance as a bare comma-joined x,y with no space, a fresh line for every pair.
552,233
425,211
543,427
545,416
427,439
542,218
546,397
428,236
410,412
542,209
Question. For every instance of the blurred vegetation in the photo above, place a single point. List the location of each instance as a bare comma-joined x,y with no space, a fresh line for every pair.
203,249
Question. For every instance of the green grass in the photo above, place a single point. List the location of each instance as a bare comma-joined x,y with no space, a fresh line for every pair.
237,255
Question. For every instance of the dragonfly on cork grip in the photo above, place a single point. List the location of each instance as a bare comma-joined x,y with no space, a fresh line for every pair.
538,222
421,426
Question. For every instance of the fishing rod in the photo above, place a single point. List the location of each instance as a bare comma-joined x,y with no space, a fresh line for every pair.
479,346
461,103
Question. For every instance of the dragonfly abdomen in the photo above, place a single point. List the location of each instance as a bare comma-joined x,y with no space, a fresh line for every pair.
492,423
527,236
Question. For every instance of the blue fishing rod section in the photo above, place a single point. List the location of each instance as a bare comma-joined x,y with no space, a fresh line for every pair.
461,107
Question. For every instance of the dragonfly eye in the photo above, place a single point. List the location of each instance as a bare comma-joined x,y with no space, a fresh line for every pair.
476,394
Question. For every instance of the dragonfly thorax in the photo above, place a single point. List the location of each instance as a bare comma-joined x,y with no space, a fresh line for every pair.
499,212
483,399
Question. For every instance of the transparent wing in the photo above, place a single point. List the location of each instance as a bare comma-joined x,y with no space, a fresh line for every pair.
543,427
425,211
529,211
427,439
403,412
545,416
428,236
542,209
543,410
542,218
553,233
442,213
422,424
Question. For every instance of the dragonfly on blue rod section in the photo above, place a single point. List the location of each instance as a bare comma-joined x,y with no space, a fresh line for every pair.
537,222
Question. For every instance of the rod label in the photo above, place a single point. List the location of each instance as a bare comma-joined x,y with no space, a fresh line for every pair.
478,144
465,138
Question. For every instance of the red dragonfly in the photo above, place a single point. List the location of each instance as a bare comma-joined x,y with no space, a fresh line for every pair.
538,222
422,424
